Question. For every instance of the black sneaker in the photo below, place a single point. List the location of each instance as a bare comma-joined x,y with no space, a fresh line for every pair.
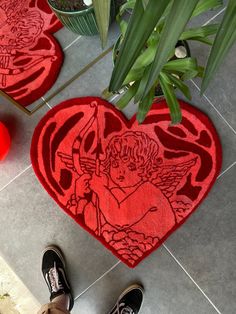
53,269
130,301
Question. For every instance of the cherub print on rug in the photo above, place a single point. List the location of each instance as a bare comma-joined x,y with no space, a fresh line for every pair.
129,185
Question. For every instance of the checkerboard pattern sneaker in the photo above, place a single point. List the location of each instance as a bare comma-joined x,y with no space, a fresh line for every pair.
130,301
53,269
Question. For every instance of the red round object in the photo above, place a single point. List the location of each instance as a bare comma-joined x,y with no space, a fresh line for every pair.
5,141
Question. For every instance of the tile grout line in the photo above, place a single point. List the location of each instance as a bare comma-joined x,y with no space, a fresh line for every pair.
72,43
80,73
232,129
190,277
99,278
227,169
17,176
212,18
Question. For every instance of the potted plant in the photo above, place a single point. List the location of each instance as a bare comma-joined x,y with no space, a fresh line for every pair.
146,53
81,16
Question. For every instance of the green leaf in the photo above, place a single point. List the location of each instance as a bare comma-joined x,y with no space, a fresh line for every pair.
181,65
141,85
199,32
123,27
129,5
177,19
225,38
178,84
145,105
200,71
147,56
171,100
205,5
203,40
145,59
102,13
141,25
145,3
134,75
189,75
126,98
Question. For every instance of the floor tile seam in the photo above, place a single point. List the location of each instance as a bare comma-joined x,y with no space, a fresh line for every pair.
218,112
79,74
97,280
213,17
13,179
191,278
226,170
72,43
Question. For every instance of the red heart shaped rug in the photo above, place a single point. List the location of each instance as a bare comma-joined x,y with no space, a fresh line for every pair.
129,185
30,57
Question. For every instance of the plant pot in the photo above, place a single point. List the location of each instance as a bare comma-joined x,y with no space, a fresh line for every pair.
158,90
81,22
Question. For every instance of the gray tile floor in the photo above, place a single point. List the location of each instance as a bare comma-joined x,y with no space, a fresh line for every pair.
193,272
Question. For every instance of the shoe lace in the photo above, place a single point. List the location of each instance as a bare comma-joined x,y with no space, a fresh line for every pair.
126,309
54,279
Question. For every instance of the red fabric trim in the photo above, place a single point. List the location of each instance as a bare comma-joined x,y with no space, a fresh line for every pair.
158,105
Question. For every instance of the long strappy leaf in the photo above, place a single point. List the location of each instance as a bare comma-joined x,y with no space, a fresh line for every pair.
102,13
225,38
145,105
205,5
141,25
175,23
171,100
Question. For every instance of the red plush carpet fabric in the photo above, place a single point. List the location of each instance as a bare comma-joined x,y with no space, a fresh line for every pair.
30,57
129,185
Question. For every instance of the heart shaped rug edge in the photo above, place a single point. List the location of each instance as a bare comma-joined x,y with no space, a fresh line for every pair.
159,103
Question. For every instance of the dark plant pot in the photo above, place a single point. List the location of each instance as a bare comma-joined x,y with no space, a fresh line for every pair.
158,90
81,22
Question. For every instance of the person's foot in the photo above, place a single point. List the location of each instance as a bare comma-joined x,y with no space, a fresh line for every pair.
130,301
53,269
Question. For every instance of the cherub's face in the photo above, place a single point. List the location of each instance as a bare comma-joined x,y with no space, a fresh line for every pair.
124,172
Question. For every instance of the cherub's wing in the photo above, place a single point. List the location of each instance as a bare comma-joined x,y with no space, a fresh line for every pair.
67,160
88,165
168,177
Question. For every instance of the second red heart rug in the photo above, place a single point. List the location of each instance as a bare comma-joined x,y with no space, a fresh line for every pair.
30,57
129,185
